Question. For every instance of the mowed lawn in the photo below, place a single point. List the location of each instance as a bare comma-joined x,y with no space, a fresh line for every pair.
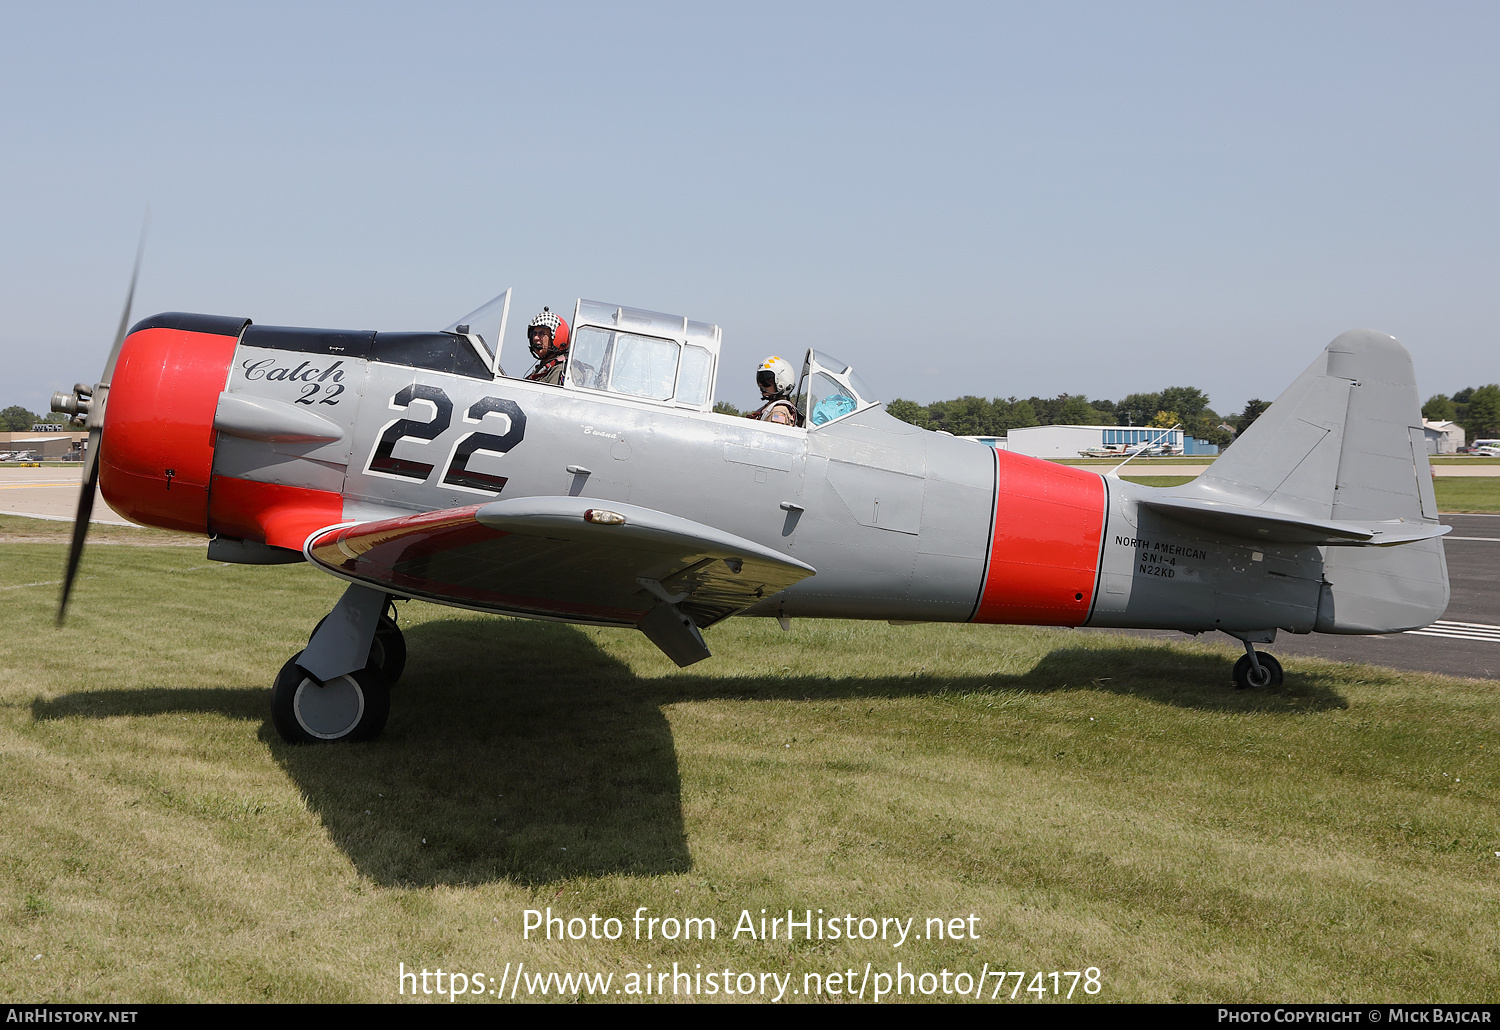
1092,801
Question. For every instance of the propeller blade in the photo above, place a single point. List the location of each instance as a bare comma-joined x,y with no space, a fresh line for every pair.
95,423
81,519
114,352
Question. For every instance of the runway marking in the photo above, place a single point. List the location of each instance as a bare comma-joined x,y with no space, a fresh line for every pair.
39,486
1492,539
65,518
1460,631
47,583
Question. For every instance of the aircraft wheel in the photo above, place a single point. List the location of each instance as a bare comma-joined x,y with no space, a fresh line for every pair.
1244,673
387,650
350,708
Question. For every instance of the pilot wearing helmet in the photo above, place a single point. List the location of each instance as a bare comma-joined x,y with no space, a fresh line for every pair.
548,338
776,381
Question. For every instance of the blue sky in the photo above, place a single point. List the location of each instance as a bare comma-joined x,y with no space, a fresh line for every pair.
1095,198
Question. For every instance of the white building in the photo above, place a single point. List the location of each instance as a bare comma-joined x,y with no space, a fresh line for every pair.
1070,441
61,444
1443,437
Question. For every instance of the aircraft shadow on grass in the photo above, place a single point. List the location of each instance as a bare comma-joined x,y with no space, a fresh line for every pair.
526,753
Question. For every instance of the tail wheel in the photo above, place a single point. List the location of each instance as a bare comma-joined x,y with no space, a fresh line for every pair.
1270,672
352,707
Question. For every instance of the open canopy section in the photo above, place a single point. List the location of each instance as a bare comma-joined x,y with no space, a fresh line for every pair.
830,390
643,354
484,328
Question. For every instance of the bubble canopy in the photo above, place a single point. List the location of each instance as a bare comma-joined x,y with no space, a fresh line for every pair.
830,390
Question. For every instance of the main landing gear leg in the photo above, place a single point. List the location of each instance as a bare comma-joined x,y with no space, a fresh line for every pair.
1256,669
338,688
388,648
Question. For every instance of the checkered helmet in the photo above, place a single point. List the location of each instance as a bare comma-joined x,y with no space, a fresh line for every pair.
548,320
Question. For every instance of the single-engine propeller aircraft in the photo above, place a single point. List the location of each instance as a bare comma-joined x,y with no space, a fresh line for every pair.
410,466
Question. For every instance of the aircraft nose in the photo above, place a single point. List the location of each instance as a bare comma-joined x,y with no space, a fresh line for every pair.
156,454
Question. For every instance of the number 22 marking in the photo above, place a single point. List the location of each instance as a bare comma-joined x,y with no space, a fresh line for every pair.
310,390
458,473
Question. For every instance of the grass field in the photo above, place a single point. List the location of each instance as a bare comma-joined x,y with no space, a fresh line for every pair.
1480,494
1092,800
1160,480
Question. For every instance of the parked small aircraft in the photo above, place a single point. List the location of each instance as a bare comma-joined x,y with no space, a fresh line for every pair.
410,466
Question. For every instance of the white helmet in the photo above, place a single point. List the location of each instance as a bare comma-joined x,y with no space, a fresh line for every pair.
777,372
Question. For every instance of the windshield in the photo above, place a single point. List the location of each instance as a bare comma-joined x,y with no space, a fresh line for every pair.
485,327
830,390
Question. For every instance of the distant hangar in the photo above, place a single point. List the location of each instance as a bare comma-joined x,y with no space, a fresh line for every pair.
1073,441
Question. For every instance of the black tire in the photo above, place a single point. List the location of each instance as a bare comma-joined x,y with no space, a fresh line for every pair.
351,708
387,650
1244,674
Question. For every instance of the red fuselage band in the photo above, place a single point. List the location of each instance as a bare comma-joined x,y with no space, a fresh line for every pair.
1044,559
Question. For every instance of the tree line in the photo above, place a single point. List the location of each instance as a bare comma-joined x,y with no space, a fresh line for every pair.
1476,408
1176,405
16,419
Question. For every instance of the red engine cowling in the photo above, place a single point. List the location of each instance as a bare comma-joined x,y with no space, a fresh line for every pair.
157,452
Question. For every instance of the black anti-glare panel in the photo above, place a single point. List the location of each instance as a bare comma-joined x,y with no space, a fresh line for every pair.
350,343
218,325
441,352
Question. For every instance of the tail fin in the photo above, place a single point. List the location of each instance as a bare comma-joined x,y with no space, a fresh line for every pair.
1345,443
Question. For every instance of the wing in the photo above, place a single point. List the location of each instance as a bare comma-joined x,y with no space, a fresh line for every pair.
570,558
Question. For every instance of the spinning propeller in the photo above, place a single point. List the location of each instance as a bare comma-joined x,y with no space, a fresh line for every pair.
86,405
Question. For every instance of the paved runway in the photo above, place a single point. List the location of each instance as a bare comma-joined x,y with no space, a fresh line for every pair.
49,493
1465,642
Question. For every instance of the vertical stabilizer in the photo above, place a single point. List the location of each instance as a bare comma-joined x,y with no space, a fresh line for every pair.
1345,442
1288,460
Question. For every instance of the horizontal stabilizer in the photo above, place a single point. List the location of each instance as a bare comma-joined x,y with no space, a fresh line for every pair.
1278,527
